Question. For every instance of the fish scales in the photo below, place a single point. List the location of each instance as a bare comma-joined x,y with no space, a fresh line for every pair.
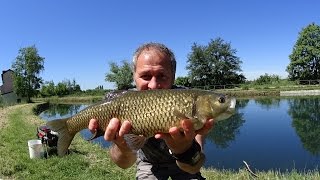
146,112
149,112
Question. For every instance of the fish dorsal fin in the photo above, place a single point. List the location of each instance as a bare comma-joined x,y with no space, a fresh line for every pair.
135,142
114,94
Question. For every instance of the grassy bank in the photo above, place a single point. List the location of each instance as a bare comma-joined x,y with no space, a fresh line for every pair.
265,90
69,99
88,161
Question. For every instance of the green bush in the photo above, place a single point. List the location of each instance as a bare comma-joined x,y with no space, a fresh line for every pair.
267,79
245,87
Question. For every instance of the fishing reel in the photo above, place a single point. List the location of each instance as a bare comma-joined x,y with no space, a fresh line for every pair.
49,140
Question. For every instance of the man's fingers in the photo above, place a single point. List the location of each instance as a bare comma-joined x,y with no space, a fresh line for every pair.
206,128
93,125
164,136
125,128
112,129
188,129
187,125
175,133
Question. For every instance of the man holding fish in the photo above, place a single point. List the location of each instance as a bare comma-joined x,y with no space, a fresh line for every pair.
160,127
177,154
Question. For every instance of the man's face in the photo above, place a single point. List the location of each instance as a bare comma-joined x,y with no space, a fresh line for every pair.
153,71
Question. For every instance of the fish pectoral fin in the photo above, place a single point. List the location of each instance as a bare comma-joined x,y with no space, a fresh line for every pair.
194,120
96,134
135,142
182,116
179,114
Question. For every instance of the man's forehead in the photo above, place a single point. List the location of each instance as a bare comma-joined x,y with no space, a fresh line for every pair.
153,58
147,68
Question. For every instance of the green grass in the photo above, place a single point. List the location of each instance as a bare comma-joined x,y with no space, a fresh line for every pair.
1,102
243,174
88,161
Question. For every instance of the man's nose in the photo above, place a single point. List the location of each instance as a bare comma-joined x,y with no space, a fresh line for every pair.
153,84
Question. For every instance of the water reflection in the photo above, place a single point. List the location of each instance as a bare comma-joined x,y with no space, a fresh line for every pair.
306,121
268,103
59,111
224,132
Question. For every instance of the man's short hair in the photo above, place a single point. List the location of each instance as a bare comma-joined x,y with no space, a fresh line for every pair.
159,47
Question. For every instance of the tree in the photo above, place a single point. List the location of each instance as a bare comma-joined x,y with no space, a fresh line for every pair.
305,56
215,63
121,75
62,89
72,86
27,67
48,89
267,79
182,81
75,87
100,87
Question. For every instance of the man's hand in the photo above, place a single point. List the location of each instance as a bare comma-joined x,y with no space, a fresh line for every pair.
178,141
114,131
120,153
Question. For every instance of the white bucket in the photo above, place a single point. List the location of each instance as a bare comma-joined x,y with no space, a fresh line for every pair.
35,149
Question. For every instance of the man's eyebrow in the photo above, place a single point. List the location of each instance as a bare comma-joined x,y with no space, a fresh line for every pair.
144,72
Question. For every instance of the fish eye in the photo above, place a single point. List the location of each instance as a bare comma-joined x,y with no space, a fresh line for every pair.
221,99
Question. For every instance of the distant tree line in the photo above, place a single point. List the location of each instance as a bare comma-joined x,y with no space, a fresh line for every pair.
63,88
211,64
217,64
267,79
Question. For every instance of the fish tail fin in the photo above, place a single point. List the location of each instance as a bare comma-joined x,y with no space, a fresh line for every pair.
64,136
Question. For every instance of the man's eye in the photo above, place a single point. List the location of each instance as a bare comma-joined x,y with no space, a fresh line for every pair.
145,77
163,77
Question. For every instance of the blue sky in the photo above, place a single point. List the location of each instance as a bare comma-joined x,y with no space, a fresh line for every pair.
79,38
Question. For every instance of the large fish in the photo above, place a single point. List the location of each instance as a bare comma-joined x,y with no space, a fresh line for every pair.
149,112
